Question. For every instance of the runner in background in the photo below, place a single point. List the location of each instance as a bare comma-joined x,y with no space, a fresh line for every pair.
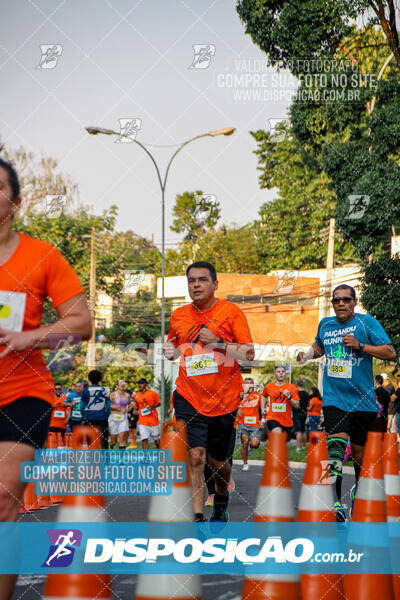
349,341
96,406
314,408
118,420
383,399
30,271
252,404
60,413
208,336
133,418
299,416
283,397
149,424
396,408
73,403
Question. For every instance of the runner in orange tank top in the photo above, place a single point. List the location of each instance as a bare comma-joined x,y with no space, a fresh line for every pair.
208,336
30,271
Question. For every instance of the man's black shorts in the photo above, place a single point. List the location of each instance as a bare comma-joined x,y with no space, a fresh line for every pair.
271,424
212,433
299,422
356,424
25,421
133,421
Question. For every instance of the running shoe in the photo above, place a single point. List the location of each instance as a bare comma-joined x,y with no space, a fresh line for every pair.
210,500
199,520
340,512
352,498
220,511
245,467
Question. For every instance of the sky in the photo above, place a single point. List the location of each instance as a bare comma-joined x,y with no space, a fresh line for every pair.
135,60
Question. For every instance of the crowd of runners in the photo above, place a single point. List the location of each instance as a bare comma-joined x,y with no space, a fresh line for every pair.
209,337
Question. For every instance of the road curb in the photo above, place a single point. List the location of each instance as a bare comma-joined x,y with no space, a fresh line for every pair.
292,465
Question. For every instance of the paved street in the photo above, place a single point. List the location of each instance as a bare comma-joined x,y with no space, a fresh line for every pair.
220,587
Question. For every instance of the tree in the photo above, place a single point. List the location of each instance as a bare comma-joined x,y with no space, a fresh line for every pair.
230,248
381,295
139,253
293,228
195,214
355,143
136,319
293,32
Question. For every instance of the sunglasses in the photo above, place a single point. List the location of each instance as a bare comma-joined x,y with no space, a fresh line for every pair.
344,299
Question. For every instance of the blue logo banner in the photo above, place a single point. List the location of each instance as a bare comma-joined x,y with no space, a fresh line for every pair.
204,548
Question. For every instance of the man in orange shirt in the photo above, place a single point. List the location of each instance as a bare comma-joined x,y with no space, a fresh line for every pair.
31,270
59,416
209,336
147,402
249,419
282,397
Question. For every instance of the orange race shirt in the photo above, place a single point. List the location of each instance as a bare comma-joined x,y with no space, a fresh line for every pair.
147,416
315,407
249,410
209,379
34,272
59,414
279,406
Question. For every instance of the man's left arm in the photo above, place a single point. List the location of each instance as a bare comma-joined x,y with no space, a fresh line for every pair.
376,335
155,401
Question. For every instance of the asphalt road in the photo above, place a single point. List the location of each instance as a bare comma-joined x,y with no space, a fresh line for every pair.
214,587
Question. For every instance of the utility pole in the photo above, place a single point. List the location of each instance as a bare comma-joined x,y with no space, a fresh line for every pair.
328,283
92,301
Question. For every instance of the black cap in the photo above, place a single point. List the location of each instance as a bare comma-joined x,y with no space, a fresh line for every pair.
300,383
142,380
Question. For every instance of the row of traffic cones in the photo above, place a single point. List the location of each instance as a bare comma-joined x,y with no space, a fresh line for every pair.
377,500
274,504
31,501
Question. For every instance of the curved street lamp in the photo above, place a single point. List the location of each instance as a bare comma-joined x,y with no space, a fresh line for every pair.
93,130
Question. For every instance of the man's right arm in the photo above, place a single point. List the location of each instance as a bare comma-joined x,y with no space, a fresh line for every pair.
314,352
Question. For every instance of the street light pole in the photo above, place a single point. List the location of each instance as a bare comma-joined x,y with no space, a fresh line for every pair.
163,184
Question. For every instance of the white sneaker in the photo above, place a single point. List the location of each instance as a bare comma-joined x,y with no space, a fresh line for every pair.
245,467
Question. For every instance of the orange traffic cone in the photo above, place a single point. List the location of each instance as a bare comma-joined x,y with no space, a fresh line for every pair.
30,498
80,509
45,501
370,507
274,504
174,508
52,445
316,506
392,490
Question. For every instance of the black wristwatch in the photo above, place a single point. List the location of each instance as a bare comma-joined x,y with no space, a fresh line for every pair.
361,345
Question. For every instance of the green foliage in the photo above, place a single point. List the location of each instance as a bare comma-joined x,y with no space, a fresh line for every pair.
293,32
231,248
381,295
135,319
194,214
367,166
293,228
138,252
308,373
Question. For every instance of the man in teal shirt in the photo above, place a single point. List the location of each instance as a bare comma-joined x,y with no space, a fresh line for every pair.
348,341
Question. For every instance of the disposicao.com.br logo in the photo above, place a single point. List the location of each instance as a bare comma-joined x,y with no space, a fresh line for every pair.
63,543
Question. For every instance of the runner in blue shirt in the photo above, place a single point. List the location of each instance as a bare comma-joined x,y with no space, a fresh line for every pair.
74,400
349,341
